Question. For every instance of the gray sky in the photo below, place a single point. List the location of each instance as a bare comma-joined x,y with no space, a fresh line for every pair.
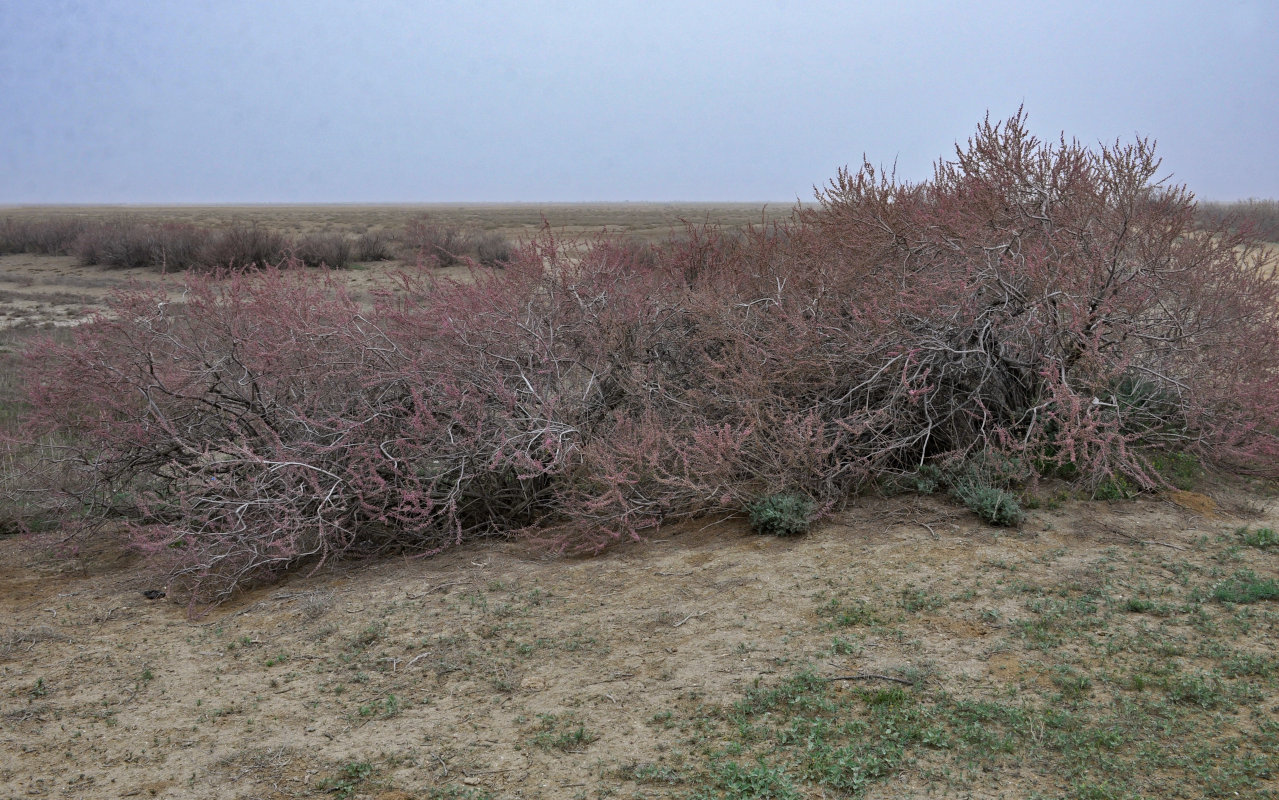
169,101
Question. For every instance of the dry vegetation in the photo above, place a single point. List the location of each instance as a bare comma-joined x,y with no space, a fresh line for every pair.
1101,622
644,221
1259,216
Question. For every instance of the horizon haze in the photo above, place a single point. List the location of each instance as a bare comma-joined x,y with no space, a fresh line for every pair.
394,102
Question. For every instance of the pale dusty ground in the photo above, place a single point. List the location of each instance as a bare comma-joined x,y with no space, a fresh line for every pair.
106,694
55,290
43,291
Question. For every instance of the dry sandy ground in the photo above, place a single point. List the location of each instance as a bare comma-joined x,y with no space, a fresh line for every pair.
457,671
41,291
56,291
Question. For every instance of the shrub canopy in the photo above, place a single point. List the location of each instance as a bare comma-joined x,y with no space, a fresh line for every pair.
1047,307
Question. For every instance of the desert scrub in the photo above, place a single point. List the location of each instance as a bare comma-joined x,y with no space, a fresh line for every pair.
374,246
781,514
331,250
436,242
43,236
981,483
493,249
1259,215
994,505
584,398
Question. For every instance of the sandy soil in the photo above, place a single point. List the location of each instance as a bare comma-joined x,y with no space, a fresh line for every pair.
445,671
56,291
42,291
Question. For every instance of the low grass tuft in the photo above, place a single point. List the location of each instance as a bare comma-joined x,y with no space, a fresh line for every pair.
1246,587
783,514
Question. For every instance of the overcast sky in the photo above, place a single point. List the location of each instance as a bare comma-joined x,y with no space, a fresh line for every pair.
164,101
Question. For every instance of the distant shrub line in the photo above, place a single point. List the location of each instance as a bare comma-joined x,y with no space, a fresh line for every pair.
445,244
1259,217
1033,310
125,243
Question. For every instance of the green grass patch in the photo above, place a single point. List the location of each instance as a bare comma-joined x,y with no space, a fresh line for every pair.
1246,587
1117,695
1262,538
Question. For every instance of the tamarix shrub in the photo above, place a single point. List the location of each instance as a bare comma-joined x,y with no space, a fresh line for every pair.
1039,307
1057,302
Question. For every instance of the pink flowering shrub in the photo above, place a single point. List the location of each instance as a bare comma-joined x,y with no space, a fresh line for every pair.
1056,302
1043,307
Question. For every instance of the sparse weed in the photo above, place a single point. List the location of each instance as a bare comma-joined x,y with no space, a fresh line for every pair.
847,614
367,637
1182,470
348,780
915,600
1114,488
1262,538
562,733
316,604
382,707
455,792
651,773
1073,684
1196,688
754,782
927,479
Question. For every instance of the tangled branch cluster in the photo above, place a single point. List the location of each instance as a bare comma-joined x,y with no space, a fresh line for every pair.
1052,305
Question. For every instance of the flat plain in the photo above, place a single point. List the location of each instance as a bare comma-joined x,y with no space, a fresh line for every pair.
515,219
1114,648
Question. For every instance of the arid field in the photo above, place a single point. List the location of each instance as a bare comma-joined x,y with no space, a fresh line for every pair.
1113,646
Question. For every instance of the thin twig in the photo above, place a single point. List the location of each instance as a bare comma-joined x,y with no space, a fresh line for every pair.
438,587
690,616
1134,539
868,676
1163,544
221,620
